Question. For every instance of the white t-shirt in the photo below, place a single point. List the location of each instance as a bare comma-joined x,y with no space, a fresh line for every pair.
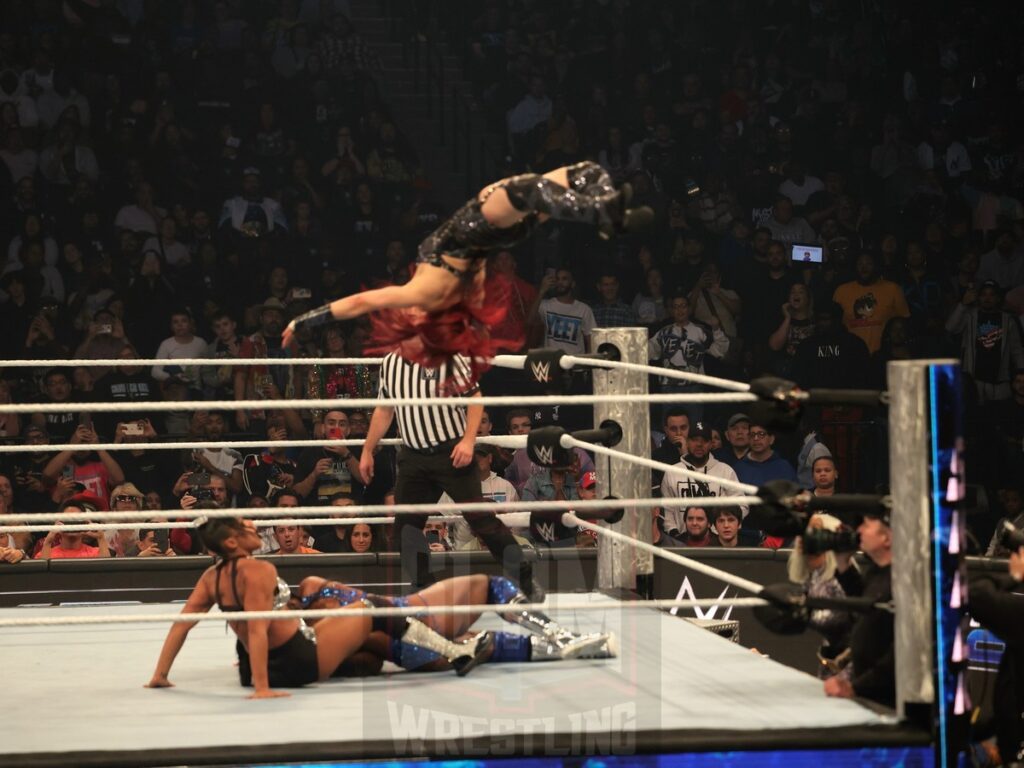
801,193
137,220
956,158
176,254
224,460
171,349
566,325
500,491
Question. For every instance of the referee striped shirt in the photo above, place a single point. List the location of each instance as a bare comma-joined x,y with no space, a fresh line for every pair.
424,426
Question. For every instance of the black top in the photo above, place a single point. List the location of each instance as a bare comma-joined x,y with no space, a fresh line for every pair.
998,603
234,586
872,643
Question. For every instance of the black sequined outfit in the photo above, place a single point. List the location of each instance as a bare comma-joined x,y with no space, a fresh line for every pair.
468,235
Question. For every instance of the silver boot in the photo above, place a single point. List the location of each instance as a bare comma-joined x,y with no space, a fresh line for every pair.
550,640
463,656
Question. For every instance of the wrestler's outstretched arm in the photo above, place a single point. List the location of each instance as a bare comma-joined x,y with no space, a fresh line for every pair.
415,293
200,601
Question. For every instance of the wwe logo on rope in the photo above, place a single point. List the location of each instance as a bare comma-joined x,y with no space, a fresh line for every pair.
541,371
545,455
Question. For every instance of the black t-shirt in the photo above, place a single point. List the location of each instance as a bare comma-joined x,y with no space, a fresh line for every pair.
262,474
337,479
988,346
117,387
21,469
872,638
328,541
150,470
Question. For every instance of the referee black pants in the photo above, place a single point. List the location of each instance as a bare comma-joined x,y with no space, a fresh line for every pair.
422,478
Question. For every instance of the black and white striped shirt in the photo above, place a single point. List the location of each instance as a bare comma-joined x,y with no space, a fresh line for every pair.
425,426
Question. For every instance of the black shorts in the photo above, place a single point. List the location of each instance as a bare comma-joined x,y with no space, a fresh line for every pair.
291,665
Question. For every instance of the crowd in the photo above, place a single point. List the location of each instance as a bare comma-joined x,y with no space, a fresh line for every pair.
835,187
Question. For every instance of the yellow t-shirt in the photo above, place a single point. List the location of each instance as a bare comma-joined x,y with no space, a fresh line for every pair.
867,308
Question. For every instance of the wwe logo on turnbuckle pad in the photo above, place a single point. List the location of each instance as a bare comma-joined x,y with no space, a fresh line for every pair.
543,446
546,454
541,362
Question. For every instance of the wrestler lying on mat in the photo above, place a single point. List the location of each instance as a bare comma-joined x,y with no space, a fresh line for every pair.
287,653
548,640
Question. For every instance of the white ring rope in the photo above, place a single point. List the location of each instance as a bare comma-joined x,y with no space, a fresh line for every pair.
568,441
667,373
168,526
737,581
502,441
138,406
385,509
413,611
191,362
516,362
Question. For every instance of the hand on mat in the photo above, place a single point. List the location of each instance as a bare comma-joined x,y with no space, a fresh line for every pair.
839,687
159,681
268,694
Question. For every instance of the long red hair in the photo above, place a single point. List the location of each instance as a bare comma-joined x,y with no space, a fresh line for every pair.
432,338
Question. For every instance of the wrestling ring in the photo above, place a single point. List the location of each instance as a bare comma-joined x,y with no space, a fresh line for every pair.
679,692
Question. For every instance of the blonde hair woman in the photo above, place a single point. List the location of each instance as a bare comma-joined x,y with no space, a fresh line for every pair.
817,574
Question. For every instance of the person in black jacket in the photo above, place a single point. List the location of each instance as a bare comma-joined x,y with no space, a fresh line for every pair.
871,640
998,603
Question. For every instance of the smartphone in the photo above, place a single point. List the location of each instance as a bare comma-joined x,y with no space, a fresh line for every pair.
301,293
133,428
162,539
106,328
233,142
433,537
334,433
807,254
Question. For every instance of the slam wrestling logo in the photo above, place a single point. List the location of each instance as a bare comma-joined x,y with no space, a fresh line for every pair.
609,730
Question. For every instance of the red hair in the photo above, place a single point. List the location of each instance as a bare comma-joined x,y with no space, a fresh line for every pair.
432,338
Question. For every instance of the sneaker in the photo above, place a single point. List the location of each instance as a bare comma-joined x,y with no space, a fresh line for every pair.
573,646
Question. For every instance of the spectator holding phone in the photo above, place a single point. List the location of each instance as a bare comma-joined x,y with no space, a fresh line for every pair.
328,470
96,471
133,542
62,545
796,327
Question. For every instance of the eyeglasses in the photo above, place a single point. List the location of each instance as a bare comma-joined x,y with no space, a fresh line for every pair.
133,499
759,434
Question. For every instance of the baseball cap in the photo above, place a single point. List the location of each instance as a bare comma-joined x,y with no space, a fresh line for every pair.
884,514
700,429
273,303
991,284
588,480
736,418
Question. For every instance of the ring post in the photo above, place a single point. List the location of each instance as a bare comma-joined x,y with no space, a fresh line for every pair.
928,570
619,564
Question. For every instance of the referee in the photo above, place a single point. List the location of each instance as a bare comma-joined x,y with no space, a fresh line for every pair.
436,456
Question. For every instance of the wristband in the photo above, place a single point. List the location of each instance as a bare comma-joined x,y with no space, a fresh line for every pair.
314,318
